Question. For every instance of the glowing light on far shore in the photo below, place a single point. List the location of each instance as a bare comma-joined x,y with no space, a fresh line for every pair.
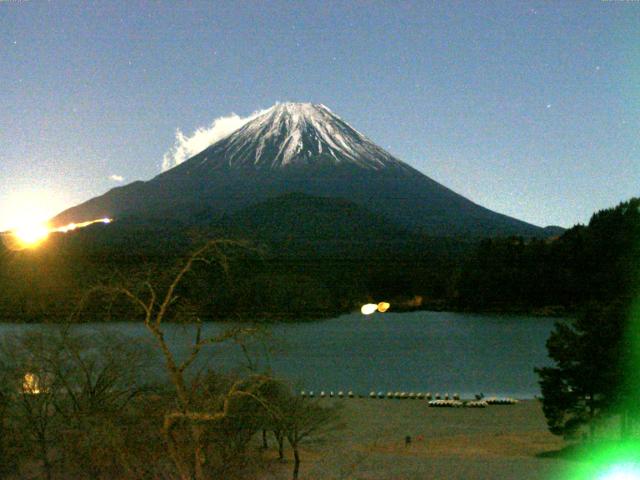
383,306
368,308
74,226
30,236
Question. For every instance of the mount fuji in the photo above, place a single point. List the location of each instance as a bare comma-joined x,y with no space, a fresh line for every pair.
299,148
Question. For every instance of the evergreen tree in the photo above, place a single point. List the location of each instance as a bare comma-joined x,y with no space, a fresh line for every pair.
588,379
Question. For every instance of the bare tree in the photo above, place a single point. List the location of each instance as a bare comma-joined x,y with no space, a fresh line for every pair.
5,393
303,420
34,391
65,389
188,416
296,419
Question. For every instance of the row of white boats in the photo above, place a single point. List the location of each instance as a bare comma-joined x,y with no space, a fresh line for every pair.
434,400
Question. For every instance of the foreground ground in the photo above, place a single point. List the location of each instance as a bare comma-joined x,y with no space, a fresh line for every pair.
498,442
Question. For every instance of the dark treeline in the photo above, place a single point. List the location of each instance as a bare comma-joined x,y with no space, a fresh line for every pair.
305,258
596,263
594,379
320,265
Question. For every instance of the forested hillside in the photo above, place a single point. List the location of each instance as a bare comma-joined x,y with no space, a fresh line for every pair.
593,263
294,267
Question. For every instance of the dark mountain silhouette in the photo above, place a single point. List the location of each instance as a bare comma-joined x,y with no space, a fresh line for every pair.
298,147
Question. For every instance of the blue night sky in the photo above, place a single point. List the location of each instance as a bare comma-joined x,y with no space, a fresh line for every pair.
528,108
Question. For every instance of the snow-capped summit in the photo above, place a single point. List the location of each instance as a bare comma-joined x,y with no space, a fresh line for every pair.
290,134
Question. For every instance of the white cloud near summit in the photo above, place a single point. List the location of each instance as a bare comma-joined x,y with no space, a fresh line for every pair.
116,178
186,147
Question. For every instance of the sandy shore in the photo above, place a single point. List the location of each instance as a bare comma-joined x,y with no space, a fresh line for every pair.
498,442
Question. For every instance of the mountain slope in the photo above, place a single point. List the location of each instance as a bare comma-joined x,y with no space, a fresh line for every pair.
300,148
303,217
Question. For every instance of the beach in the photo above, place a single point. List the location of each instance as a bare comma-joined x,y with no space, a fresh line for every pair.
454,443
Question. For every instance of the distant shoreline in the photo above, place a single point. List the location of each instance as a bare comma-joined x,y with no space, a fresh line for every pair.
545,312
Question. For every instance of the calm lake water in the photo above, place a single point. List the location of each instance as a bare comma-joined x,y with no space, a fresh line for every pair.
419,351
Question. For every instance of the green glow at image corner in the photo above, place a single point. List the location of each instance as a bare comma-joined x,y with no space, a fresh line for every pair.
618,460
621,472
613,462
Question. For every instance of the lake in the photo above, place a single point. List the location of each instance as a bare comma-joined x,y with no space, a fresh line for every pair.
419,351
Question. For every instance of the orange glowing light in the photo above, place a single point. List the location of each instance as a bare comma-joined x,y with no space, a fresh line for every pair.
31,384
383,307
31,235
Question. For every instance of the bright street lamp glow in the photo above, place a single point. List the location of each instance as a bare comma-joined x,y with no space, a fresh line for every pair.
369,308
